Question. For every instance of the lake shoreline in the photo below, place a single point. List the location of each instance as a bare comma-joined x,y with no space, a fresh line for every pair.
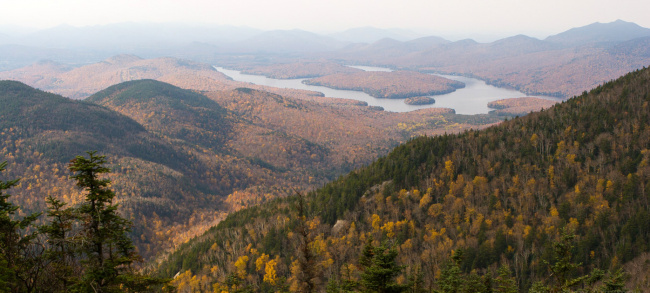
470,100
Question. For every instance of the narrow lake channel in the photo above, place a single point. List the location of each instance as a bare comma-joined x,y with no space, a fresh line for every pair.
472,99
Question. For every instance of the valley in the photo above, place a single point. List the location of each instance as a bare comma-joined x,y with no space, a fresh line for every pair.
228,148
281,160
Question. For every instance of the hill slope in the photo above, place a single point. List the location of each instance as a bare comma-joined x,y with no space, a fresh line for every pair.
181,160
168,110
81,82
41,132
502,195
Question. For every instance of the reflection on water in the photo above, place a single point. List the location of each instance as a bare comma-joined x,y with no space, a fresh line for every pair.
472,99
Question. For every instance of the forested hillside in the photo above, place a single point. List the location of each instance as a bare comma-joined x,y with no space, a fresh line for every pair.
181,159
553,201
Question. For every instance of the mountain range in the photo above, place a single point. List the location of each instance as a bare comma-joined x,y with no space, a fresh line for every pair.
562,65
232,185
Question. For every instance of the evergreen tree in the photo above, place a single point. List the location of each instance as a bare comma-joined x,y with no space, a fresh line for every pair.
20,256
309,273
504,282
450,280
615,282
63,270
108,253
379,275
564,270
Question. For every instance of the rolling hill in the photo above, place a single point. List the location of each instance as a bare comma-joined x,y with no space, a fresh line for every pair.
505,195
81,82
181,160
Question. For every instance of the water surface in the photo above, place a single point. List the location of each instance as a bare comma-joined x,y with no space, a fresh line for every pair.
472,99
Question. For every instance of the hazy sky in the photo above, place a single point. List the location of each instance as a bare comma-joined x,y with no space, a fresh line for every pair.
501,17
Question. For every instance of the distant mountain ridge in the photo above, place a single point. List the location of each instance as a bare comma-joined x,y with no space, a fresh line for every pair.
372,34
81,82
617,31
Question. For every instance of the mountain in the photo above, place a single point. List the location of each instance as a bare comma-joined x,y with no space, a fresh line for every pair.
80,82
639,47
133,37
519,45
286,41
512,194
157,177
16,56
372,34
44,116
617,31
189,116
425,43
551,67
181,159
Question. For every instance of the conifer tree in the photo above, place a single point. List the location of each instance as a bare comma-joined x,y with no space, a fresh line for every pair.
108,252
504,282
450,280
380,274
60,254
308,272
20,257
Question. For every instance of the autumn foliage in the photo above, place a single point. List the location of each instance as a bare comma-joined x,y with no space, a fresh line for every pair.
390,85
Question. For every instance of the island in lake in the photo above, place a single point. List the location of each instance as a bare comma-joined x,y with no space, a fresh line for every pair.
416,101
390,85
519,106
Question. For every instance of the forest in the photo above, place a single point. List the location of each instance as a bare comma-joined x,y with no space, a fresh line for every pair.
419,101
183,159
389,85
80,248
556,201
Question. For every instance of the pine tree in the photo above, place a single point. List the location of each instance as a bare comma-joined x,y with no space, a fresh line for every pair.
379,275
615,281
107,250
61,252
20,256
450,280
504,282
308,275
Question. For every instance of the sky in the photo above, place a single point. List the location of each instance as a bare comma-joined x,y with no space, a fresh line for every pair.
537,18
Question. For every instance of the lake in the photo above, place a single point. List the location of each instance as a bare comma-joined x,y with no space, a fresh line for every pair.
472,99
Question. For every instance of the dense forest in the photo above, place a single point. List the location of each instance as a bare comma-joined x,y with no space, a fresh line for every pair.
554,201
183,159
83,247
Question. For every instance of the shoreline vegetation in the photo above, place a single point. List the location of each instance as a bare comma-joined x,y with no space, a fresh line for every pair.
416,101
519,106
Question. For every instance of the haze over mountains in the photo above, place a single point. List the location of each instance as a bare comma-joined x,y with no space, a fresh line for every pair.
156,40
561,65
187,145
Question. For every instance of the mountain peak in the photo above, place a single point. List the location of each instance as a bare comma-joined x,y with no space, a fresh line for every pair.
612,32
